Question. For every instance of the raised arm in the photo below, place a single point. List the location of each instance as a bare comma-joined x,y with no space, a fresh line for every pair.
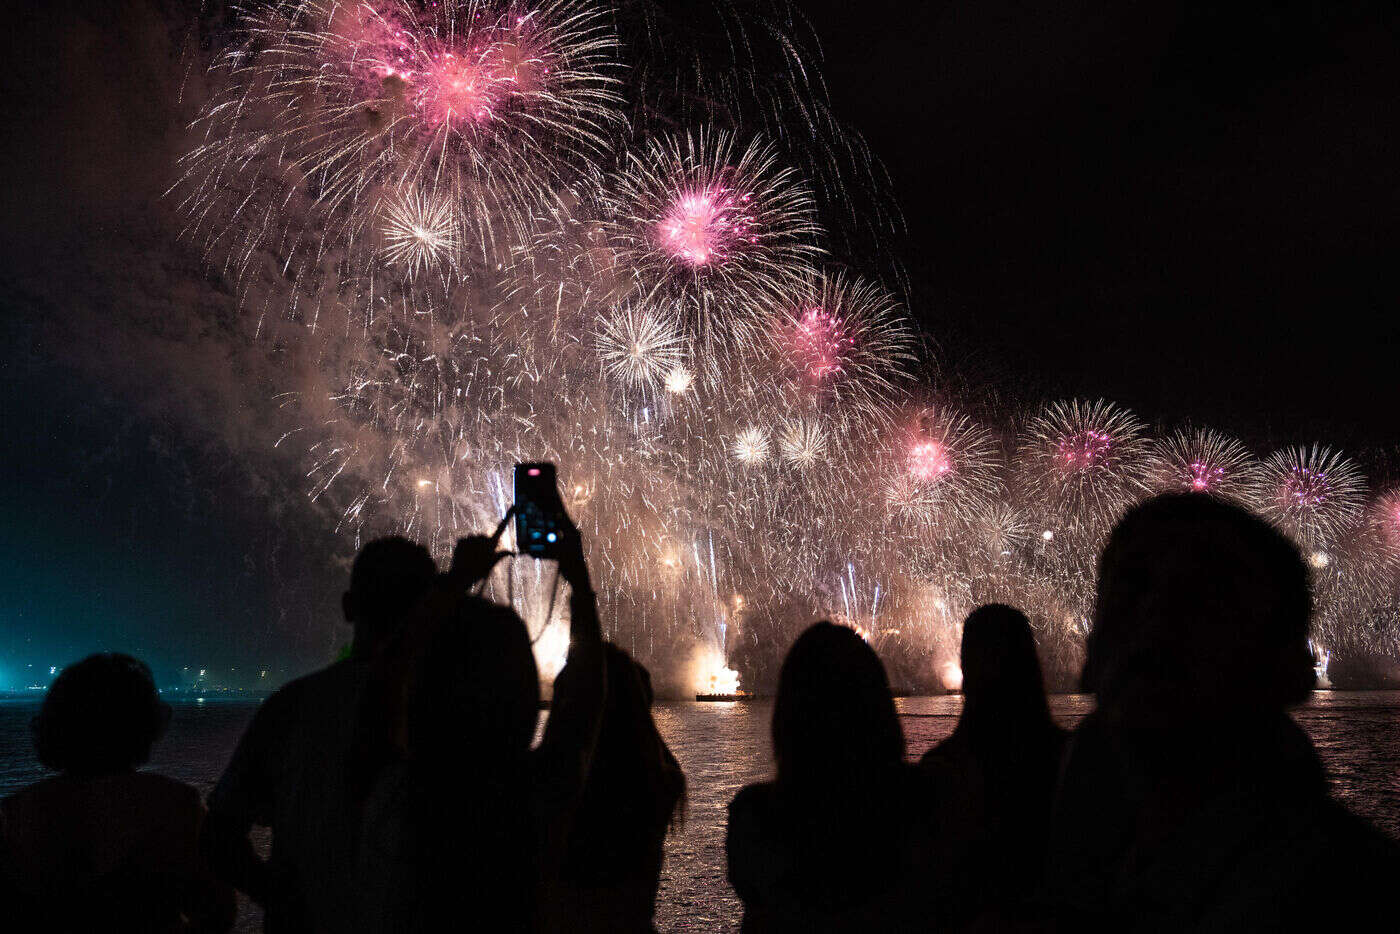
566,751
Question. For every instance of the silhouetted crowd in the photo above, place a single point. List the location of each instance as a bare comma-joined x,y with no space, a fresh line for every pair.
405,787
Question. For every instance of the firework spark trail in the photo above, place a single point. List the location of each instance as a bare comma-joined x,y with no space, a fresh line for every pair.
460,234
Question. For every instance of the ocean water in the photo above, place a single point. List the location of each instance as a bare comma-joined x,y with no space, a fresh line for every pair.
724,746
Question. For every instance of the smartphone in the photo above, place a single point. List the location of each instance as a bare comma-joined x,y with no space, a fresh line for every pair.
539,512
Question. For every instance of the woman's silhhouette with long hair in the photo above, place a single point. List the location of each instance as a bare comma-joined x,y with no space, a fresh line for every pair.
992,780
834,718
635,792
837,840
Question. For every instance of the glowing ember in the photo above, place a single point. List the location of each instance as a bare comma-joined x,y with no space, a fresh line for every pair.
1205,476
951,675
679,380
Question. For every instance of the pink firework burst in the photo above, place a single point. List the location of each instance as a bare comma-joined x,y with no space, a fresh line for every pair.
843,343
929,461
949,466
1200,461
1385,520
1205,476
704,226
1086,449
821,343
1314,494
454,90
1082,461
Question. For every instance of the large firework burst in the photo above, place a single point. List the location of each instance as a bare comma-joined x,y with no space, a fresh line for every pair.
1315,494
1200,461
844,342
642,347
946,466
1083,461
719,223
330,108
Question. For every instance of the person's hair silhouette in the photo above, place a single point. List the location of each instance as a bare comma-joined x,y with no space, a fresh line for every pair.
388,577
458,815
101,846
842,788
993,778
1190,778
834,717
635,790
101,715
1201,604
1003,690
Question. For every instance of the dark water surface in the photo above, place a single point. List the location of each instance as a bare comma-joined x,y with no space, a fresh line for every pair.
725,746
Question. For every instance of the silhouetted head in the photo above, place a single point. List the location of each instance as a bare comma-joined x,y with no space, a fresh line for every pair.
1001,673
101,716
389,577
1202,609
834,715
474,687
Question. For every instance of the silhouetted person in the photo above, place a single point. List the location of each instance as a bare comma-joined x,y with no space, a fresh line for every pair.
462,820
101,846
1190,801
992,780
835,843
290,772
635,791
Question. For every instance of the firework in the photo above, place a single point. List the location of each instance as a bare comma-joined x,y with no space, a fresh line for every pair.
802,442
750,445
1385,521
845,342
485,270
947,464
419,231
1201,461
641,347
1314,494
331,108
1083,461
703,217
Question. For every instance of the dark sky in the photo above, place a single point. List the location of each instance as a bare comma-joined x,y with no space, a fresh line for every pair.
1189,208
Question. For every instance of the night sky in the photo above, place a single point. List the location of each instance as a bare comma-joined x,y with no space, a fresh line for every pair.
1189,208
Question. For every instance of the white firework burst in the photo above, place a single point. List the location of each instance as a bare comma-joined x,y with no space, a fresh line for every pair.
420,231
640,346
802,441
750,445
1314,494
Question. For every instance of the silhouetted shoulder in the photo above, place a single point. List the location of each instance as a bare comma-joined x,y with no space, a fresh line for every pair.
752,800
756,863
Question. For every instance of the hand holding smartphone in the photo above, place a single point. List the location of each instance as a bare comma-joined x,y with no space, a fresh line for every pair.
543,528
